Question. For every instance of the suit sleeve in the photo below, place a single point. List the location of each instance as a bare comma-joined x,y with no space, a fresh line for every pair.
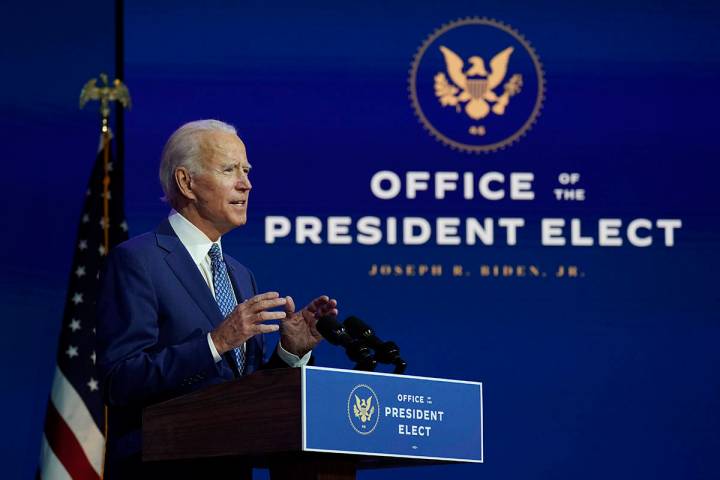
133,368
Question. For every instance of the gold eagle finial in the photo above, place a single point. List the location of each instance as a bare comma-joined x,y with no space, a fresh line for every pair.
118,92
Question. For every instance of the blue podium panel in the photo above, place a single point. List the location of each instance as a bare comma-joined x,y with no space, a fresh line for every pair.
346,411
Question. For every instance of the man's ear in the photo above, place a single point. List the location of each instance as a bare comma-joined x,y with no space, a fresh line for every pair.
184,182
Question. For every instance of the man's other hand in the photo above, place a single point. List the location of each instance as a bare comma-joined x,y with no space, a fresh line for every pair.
247,320
298,331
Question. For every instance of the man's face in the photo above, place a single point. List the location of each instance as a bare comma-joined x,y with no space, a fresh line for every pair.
222,187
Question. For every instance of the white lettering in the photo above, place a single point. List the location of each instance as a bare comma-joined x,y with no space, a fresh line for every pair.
669,225
369,232
511,225
376,186
416,181
445,182
338,229
483,231
409,235
414,430
447,231
609,232
576,237
484,186
552,229
521,186
391,230
276,227
468,190
632,232
308,228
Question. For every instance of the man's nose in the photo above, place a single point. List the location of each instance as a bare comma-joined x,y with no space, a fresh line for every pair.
243,183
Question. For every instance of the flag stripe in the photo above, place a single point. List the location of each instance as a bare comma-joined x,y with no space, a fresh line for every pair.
52,469
66,447
77,417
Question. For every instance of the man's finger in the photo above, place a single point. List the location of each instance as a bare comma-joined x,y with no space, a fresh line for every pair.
264,328
289,304
266,304
329,305
317,303
265,316
263,296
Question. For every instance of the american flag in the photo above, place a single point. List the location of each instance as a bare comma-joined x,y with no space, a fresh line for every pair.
73,444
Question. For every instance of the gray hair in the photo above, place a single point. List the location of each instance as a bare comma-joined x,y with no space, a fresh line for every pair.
183,149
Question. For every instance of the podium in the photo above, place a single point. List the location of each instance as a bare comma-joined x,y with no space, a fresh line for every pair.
318,423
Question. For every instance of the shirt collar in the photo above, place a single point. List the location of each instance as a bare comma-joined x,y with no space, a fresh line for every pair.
195,241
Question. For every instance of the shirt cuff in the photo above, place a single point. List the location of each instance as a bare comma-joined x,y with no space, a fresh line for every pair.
213,350
292,359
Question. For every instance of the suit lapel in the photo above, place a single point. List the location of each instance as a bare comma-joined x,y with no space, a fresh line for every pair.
182,265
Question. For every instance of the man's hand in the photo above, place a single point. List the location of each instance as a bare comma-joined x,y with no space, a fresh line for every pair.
247,320
298,332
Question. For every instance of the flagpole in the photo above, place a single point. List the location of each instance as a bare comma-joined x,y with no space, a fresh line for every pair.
106,239
106,94
106,183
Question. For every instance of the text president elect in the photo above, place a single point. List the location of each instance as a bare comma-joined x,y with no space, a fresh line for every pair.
174,313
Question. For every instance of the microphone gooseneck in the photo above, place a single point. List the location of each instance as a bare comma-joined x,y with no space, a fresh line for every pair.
356,349
385,352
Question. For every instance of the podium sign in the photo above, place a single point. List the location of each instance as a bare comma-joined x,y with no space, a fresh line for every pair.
368,413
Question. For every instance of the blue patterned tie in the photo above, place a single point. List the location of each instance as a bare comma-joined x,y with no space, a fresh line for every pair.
224,295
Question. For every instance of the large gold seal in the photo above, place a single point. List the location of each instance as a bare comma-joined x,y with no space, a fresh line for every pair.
476,85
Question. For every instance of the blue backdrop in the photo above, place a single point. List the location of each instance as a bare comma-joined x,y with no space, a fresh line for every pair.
613,373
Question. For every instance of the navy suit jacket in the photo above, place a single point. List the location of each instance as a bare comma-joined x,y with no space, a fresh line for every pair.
154,313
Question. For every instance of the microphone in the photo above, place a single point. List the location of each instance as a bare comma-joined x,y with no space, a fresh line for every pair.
385,352
355,349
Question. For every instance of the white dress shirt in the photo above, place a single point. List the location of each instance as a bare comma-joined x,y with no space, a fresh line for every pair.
198,246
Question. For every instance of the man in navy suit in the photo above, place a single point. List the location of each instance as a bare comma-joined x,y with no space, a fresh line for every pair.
161,327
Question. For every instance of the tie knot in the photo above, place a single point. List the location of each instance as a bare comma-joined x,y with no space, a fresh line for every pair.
214,253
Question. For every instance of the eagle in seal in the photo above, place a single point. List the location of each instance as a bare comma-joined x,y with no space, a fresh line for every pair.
475,85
